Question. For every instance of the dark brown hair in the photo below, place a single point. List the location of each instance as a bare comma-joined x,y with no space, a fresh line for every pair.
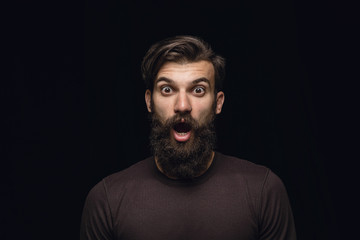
180,49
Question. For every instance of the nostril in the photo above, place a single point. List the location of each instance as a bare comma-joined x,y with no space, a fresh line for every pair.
183,110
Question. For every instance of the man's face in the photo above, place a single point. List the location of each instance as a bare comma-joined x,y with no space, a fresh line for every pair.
184,88
183,108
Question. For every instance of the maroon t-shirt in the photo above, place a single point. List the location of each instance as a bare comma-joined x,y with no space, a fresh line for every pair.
234,199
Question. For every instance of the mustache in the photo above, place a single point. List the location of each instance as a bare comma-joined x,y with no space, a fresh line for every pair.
174,120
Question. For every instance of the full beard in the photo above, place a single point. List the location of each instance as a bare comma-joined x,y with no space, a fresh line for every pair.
183,160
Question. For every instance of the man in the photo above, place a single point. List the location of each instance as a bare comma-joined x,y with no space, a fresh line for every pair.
186,190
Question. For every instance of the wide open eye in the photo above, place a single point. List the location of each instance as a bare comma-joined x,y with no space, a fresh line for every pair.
166,90
199,90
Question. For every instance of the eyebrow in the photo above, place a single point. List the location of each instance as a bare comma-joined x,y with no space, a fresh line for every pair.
196,81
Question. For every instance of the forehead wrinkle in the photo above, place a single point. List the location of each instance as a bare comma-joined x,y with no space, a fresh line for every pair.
202,79
202,71
196,81
164,79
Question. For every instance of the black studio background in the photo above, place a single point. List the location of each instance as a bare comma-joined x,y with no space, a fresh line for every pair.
74,107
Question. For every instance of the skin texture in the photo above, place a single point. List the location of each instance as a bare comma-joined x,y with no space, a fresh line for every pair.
185,87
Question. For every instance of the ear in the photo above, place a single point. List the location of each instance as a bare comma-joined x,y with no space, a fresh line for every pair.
220,98
148,99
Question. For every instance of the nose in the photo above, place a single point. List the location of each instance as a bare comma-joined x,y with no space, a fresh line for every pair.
182,103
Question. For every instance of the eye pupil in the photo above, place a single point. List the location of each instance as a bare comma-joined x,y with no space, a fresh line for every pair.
166,89
198,90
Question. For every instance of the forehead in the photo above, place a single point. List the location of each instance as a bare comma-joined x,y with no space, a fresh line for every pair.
187,71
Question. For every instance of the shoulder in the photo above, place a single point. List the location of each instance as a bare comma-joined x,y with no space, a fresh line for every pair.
248,170
251,172
122,179
266,191
105,197
139,171
260,181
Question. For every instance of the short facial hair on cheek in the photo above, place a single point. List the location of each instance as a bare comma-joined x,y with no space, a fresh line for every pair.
182,160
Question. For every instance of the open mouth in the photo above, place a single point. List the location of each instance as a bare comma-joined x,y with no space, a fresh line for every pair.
182,132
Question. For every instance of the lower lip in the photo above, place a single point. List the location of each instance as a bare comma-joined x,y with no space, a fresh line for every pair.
181,137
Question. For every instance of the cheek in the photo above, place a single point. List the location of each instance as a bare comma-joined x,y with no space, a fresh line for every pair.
203,110
163,108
